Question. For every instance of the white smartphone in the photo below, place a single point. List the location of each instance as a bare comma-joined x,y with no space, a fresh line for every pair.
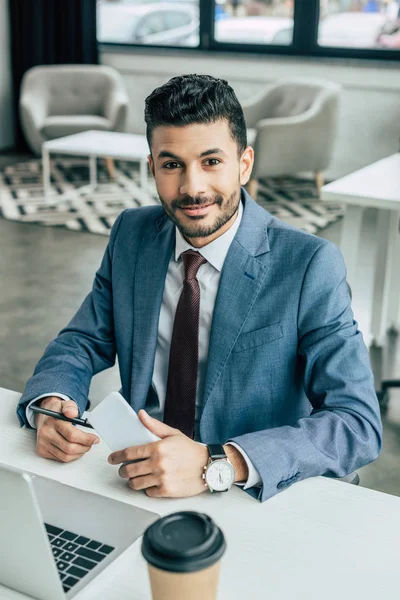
118,424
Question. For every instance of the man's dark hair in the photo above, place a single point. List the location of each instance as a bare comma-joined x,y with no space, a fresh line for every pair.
190,99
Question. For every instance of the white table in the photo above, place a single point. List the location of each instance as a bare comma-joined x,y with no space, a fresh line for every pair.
94,144
376,186
318,539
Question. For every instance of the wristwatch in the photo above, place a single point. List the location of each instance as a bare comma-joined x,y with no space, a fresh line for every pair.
219,474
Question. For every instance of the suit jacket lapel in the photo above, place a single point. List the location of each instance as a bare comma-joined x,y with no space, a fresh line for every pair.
241,279
151,270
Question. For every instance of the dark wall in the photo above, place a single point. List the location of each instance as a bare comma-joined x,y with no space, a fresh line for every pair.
48,32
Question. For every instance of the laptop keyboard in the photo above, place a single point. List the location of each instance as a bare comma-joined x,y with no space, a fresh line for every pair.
75,555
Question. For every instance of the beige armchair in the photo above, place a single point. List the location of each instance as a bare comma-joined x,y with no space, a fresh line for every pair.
61,100
292,127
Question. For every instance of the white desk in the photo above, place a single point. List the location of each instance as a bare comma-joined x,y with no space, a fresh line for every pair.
376,186
317,539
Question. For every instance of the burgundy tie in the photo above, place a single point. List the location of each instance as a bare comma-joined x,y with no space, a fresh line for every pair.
180,401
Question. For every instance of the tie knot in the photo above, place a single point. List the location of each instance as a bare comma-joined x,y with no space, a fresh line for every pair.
192,261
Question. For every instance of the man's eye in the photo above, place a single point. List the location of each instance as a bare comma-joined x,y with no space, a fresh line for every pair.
171,165
213,162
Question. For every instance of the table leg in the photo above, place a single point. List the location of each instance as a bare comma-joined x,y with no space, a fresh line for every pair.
110,167
387,232
394,279
46,173
350,240
93,171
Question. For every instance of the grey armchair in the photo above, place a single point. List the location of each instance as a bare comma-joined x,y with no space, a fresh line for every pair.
292,126
61,100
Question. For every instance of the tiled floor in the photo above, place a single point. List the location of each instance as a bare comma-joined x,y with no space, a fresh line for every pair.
46,272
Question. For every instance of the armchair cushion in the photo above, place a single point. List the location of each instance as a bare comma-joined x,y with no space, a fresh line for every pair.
60,126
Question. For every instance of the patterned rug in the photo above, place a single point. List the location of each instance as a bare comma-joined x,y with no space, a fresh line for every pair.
21,197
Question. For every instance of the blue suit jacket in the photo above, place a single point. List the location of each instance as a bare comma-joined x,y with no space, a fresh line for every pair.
288,375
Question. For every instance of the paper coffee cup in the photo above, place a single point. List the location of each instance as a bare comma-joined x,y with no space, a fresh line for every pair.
183,552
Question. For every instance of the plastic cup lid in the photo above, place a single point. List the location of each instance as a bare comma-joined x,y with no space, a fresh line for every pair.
183,542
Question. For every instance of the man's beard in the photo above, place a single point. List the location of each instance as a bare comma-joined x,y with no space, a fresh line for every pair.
198,230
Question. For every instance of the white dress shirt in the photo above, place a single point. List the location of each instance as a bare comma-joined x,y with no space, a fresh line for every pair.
208,277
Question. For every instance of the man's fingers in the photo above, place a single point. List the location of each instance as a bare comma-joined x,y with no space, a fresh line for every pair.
157,427
59,440
66,447
132,453
135,469
142,483
154,492
65,407
69,409
52,403
49,450
45,453
74,435
62,456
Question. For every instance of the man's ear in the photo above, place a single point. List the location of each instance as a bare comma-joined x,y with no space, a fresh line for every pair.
151,164
246,165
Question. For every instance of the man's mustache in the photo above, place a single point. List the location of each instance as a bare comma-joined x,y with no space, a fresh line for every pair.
189,201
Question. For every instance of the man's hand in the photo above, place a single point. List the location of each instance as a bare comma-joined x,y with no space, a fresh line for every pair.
171,467
239,464
59,440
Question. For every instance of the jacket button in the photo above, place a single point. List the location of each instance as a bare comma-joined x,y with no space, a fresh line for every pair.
281,485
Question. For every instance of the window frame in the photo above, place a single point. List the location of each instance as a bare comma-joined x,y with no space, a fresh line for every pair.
304,44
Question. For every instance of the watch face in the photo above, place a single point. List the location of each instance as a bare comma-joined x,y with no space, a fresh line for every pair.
220,475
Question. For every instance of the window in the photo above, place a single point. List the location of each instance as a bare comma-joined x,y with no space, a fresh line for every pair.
341,28
268,22
172,23
359,24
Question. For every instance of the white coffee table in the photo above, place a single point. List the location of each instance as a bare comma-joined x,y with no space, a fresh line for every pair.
95,144
377,186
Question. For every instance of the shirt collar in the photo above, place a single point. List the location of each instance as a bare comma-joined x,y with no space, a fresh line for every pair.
215,252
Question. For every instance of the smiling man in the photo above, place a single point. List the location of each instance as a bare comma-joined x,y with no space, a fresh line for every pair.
234,332
205,204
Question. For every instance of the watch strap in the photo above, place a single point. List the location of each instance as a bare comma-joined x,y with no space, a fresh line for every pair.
216,451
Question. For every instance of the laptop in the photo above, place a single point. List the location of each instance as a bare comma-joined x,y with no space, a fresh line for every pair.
55,539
